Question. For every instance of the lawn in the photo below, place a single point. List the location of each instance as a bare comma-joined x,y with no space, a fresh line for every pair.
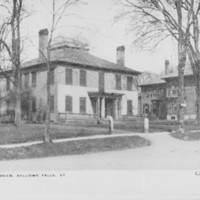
10,134
74,147
192,136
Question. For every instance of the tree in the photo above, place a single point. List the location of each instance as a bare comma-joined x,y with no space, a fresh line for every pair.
10,30
58,11
194,53
155,20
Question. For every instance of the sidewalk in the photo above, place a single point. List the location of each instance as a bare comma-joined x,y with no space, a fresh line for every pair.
80,138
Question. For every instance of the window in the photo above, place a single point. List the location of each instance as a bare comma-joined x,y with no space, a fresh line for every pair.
82,105
34,79
118,81
26,80
129,83
51,104
52,77
33,104
68,76
82,78
68,104
129,107
7,84
8,105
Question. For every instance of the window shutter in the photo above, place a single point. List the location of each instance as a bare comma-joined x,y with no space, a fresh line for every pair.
129,83
82,78
68,104
68,76
118,81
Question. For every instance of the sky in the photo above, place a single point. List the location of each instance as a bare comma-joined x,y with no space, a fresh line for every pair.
94,20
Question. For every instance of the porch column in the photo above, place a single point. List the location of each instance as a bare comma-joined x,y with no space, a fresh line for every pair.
102,107
98,107
115,109
119,107
56,115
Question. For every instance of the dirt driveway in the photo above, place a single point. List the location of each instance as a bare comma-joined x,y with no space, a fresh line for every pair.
165,153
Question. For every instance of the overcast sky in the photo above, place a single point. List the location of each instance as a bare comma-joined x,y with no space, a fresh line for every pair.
94,21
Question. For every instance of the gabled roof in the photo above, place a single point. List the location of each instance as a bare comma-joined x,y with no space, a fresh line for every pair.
153,81
75,56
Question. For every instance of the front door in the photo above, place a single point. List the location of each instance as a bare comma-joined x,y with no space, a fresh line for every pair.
94,105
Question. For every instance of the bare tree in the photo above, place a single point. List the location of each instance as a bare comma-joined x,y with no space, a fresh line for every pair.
194,53
155,20
10,29
59,9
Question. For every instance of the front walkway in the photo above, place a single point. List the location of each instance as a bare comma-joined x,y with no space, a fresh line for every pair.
165,153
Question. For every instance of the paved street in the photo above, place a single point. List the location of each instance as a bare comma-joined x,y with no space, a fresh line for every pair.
165,153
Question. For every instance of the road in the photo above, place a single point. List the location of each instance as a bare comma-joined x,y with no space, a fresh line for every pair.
165,153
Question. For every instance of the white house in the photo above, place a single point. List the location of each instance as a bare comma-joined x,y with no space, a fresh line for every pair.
82,85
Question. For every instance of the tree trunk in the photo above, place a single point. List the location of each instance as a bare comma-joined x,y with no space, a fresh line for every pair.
18,119
47,138
198,94
181,96
16,51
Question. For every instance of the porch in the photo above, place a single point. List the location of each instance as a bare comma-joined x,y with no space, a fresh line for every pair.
106,104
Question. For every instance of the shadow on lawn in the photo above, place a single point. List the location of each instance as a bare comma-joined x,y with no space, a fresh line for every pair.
74,147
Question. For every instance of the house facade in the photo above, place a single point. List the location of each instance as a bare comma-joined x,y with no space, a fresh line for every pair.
159,97
82,85
152,99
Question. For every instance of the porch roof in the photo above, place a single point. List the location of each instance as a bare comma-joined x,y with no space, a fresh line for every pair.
104,94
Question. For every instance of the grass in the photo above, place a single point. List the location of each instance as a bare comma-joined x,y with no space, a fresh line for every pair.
192,136
34,132
10,134
73,147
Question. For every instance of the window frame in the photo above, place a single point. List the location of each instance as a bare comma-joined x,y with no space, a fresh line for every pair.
66,105
69,79
129,83
83,78
118,80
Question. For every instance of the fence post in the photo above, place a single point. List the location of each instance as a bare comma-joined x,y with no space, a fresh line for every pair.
111,127
146,124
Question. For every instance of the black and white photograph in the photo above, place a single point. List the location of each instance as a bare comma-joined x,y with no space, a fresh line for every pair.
100,95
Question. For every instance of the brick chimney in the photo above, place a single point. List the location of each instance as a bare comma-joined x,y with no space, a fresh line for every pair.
120,51
166,66
43,41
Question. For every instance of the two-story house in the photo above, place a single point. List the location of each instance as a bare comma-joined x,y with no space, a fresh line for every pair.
82,85
166,106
